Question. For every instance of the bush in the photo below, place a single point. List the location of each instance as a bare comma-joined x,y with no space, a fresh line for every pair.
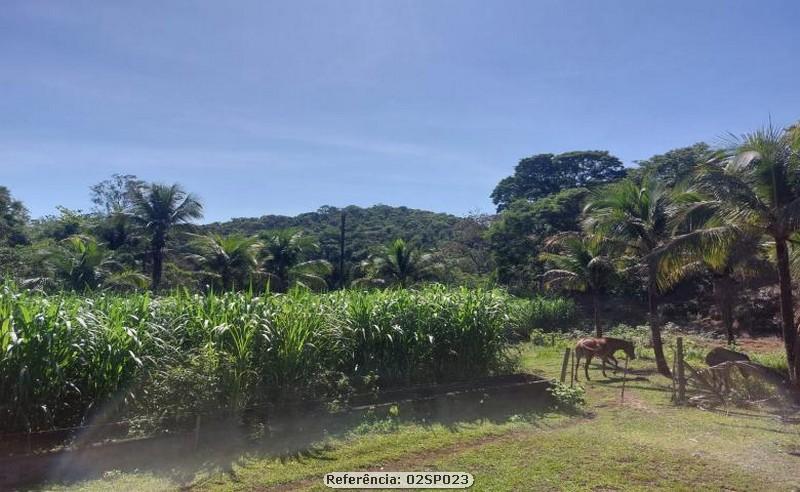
568,397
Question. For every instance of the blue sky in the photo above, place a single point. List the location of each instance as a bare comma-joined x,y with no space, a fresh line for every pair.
264,107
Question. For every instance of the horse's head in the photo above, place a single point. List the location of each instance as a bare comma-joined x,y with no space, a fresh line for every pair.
628,348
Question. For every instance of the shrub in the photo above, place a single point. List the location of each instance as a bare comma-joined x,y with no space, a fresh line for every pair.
568,397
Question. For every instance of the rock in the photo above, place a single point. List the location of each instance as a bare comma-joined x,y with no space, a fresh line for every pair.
718,355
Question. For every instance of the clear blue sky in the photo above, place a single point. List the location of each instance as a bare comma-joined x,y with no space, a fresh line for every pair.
264,107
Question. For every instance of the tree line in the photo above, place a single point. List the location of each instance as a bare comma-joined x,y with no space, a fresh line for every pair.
143,235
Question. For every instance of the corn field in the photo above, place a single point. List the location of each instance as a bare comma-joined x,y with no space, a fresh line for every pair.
548,314
67,359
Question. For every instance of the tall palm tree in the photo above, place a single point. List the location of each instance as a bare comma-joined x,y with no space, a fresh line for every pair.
284,259
636,214
158,208
580,262
400,264
229,260
755,183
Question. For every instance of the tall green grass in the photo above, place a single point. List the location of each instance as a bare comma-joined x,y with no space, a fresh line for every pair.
67,359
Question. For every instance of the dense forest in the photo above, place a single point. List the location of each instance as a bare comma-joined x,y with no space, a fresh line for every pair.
697,226
366,229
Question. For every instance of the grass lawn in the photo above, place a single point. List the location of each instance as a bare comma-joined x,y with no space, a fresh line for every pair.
643,443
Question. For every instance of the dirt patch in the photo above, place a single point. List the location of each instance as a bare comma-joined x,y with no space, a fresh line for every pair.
749,344
761,344
636,403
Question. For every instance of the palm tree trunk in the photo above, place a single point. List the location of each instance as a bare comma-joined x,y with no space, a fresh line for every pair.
598,330
341,250
158,265
655,326
787,312
225,279
282,284
796,359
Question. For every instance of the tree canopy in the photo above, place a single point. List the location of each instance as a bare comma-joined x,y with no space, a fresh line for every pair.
544,174
13,218
674,166
517,237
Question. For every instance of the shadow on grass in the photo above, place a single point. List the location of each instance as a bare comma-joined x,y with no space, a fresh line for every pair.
754,427
615,377
618,380
221,446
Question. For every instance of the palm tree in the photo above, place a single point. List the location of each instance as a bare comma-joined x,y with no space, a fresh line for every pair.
158,208
284,254
726,253
229,260
755,182
580,263
80,262
400,264
636,214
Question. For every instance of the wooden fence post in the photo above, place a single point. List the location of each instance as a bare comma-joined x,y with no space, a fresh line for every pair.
680,373
674,396
564,365
572,369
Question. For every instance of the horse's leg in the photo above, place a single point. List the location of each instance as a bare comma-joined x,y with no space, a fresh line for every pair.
577,364
603,366
586,367
614,360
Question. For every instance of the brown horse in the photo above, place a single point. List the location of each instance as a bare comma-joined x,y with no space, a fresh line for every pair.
604,348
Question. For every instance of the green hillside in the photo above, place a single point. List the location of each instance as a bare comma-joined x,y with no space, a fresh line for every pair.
366,228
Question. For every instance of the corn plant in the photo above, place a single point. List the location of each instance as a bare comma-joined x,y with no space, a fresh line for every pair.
69,359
